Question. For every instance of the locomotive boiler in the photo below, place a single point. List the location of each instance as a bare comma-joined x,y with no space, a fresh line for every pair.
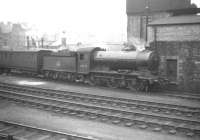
130,60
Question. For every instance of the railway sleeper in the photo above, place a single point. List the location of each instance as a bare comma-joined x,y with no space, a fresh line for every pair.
138,123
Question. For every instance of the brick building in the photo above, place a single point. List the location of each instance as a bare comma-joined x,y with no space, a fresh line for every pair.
12,36
141,12
177,40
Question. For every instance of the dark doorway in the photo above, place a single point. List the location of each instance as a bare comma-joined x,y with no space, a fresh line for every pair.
172,69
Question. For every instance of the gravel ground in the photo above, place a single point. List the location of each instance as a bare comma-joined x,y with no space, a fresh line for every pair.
43,119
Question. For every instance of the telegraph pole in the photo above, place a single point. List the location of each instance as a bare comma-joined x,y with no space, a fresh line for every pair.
147,18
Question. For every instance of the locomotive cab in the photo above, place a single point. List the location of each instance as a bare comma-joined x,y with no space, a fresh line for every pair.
85,59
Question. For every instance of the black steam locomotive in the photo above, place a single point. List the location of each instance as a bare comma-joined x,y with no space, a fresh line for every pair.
137,70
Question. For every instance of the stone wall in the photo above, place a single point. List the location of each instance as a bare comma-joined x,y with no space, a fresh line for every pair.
187,54
175,33
136,26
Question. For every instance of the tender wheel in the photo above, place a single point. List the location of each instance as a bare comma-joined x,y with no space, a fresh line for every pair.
1,71
91,81
138,86
142,86
51,75
72,78
7,71
112,83
132,85
147,86
46,74
55,75
60,76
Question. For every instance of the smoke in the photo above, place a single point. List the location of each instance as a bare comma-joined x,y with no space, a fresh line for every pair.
135,44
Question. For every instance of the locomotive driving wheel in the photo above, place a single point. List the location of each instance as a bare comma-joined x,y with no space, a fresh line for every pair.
46,74
72,77
112,83
142,85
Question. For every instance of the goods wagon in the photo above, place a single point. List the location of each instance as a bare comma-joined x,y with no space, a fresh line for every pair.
30,61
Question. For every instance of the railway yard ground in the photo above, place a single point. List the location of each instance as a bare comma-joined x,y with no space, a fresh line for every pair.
80,112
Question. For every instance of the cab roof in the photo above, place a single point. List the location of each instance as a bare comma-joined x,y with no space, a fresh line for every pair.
88,49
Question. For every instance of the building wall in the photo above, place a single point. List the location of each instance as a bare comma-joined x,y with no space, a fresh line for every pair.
12,36
175,33
136,27
182,44
18,37
138,6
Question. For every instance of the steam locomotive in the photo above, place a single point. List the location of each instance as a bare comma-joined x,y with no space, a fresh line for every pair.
136,70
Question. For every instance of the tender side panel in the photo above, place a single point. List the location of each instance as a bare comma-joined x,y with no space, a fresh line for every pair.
60,63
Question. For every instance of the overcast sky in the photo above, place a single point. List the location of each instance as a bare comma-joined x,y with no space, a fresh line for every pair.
98,19
197,2
102,19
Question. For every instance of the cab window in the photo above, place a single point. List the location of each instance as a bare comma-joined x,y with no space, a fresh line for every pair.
81,56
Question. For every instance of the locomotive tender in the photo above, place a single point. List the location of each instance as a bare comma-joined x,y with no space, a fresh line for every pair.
136,70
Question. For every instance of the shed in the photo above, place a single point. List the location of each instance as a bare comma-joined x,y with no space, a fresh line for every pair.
177,20
177,40
142,12
140,6
178,28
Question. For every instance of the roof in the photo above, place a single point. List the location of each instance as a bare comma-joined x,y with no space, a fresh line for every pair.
141,6
177,20
10,27
24,51
88,49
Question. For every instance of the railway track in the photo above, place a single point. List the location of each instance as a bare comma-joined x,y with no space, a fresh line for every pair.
123,117
128,104
16,131
182,95
167,93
